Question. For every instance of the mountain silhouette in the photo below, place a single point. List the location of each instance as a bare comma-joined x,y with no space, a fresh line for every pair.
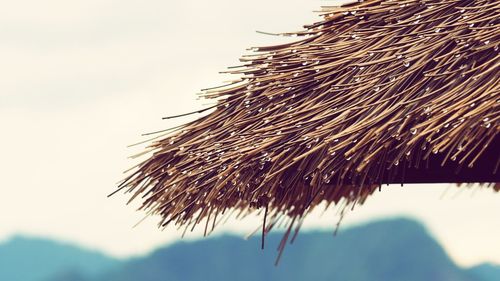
387,250
33,259
397,249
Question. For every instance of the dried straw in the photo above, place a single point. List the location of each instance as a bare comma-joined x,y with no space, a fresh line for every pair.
372,89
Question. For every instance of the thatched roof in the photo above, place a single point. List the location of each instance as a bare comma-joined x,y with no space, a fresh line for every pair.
371,94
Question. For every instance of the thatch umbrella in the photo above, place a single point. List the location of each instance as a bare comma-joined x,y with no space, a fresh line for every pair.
377,92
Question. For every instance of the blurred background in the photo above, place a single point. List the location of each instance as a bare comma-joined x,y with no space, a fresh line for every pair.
82,80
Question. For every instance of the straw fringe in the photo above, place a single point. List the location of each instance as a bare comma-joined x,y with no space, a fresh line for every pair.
373,85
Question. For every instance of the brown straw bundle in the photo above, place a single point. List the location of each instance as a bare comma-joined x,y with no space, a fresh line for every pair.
373,93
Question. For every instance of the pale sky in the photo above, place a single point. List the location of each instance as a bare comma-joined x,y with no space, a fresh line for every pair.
81,80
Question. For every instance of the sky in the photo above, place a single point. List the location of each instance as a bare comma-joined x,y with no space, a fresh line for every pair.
82,80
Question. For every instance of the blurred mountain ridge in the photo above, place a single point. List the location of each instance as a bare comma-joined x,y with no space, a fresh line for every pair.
26,258
392,249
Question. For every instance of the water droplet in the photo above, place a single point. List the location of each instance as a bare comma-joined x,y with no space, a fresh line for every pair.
406,63
413,131
376,89
437,30
486,42
471,25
